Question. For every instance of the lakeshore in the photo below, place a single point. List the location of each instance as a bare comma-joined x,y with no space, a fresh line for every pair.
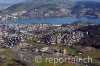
51,20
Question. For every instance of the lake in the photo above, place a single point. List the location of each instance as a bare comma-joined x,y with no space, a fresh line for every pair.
50,20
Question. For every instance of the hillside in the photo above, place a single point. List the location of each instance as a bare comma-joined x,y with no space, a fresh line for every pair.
86,8
92,38
44,8
55,8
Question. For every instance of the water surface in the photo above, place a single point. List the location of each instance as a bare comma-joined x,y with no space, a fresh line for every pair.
51,20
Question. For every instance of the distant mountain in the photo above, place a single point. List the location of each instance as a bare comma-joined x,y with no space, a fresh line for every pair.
55,8
36,3
44,8
89,8
87,4
19,7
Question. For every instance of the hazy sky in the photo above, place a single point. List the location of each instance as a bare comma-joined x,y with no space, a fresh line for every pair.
87,0
18,1
11,1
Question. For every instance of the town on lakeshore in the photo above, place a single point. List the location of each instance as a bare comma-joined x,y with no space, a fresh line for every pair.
70,37
26,41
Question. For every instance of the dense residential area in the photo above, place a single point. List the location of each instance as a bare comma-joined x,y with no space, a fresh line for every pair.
66,34
29,40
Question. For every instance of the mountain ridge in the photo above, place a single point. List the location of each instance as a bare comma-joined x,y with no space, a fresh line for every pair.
55,9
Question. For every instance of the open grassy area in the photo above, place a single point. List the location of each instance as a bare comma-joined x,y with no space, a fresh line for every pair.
9,54
94,53
43,63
